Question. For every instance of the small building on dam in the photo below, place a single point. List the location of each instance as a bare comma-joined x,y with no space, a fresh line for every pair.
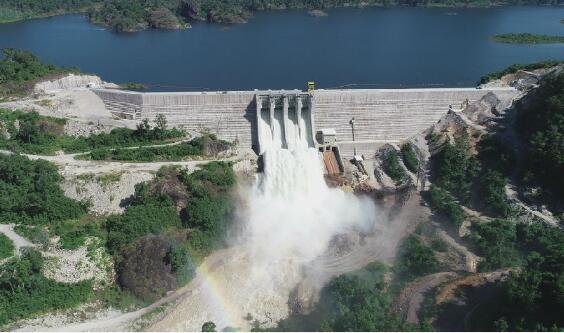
257,119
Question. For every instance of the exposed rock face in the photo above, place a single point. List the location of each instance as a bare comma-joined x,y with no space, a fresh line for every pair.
163,18
105,193
71,81
72,266
213,148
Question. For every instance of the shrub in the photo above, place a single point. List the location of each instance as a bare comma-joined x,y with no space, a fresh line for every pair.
492,191
24,291
30,193
6,247
454,168
446,204
393,168
495,241
181,263
415,258
148,215
210,206
409,158
209,326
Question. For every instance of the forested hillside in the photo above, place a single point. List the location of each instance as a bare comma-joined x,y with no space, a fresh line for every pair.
129,15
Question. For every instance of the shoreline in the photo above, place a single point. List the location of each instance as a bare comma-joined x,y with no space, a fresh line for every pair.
244,18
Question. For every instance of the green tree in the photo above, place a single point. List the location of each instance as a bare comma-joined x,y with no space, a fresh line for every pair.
209,326
492,191
393,168
454,168
409,158
416,259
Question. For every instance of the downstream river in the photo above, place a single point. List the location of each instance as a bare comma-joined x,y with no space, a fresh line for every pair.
362,48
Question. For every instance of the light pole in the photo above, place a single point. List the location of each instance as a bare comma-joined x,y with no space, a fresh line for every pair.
352,127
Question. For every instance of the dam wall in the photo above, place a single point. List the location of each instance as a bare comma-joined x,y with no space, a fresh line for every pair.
380,115
388,115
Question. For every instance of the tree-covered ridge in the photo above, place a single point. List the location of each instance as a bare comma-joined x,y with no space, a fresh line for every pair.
530,299
540,122
129,15
19,70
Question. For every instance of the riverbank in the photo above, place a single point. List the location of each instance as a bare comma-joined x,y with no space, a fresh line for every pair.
169,15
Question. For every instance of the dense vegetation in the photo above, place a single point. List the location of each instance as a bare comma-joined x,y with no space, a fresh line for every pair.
20,69
454,168
30,132
526,38
6,247
540,122
173,221
519,67
13,10
415,258
444,203
30,193
24,290
392,167
147,215
409,158
176,152
531,298
457,172
129,15
496,242
357,301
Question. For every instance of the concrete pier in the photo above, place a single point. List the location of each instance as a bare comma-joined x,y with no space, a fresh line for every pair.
381,115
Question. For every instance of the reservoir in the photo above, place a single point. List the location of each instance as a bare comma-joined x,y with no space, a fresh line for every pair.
356,48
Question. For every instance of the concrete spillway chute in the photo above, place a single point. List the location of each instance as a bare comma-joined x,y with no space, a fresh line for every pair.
284,120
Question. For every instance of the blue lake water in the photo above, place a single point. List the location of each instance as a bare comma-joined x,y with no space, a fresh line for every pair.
370,47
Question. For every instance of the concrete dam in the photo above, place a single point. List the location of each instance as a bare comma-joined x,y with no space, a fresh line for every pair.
360,120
